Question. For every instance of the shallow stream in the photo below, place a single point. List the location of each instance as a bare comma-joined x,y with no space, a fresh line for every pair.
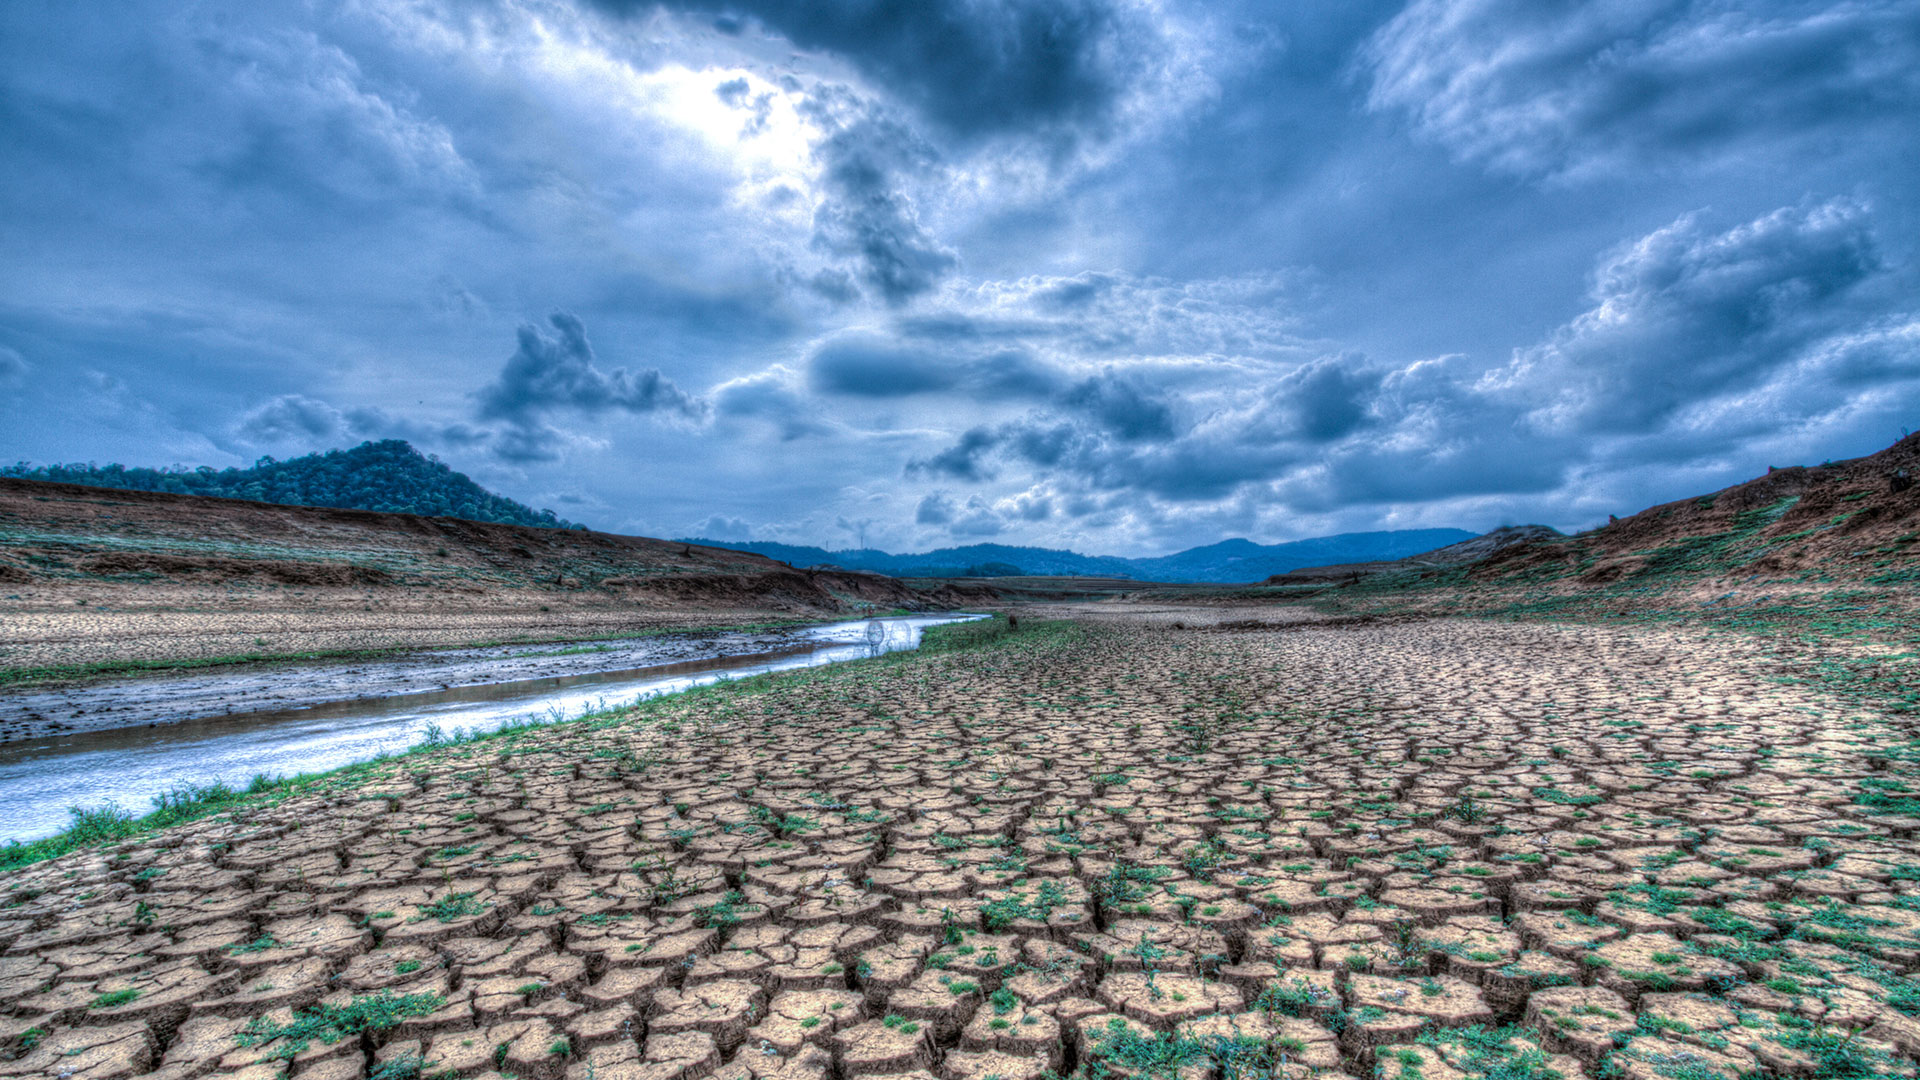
41,777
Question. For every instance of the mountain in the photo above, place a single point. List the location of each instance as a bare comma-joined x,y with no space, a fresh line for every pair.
1227,561
1244,560
388,476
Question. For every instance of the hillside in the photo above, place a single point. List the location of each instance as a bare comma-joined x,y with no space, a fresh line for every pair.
1457,554
389,476
1227,561
90,576
1854,521
1824,546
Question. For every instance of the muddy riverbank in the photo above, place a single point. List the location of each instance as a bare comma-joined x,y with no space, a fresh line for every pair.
158,700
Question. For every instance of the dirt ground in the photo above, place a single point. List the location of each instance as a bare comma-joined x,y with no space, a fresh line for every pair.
1425,850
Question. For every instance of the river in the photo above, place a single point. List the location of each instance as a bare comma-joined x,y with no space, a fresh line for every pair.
41,777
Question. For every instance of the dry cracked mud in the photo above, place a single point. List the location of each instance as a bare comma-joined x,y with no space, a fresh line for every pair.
1427,850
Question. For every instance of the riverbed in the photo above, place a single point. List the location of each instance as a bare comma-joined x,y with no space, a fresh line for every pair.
43,773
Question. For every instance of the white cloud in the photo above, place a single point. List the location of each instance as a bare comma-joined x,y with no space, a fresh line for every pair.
1545,88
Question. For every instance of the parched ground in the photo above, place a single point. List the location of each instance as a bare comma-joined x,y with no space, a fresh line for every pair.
1428,850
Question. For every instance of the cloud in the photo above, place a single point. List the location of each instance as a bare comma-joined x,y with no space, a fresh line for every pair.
1110,313
1695,340
721,527
546,375
973,518
771,396
867,214
1532,88
934,509
964,460
1687,313
873,365
1123,405
1699,342
311,423
975,69
13,367
294,417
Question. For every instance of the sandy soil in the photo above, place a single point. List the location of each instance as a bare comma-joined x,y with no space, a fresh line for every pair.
163,699
1133,851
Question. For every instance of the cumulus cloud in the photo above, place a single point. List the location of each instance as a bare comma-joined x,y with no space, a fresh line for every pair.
772,397
1124,405
13,367
1536,88
553,374
1698,342
722,527
291,417
1688,312
300,421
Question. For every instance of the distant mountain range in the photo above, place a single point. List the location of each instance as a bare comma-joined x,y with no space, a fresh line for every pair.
1227,561
394,477
389,476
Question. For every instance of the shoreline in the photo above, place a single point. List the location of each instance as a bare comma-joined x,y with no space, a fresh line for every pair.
269,685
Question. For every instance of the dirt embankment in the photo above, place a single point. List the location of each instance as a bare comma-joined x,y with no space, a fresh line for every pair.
1853,519
91,576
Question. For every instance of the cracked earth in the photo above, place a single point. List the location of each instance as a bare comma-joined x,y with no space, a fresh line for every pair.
1428,850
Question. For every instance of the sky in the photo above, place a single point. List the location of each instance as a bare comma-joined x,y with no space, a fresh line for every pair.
1124,276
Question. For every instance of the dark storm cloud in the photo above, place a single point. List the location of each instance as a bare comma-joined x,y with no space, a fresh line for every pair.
546,375
867,367
974,67
934,509
1118,429
1537,87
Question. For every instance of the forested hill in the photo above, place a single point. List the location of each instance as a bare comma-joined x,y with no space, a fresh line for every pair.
390,476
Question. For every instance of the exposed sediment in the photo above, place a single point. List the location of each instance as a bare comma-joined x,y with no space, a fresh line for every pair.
1164,852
